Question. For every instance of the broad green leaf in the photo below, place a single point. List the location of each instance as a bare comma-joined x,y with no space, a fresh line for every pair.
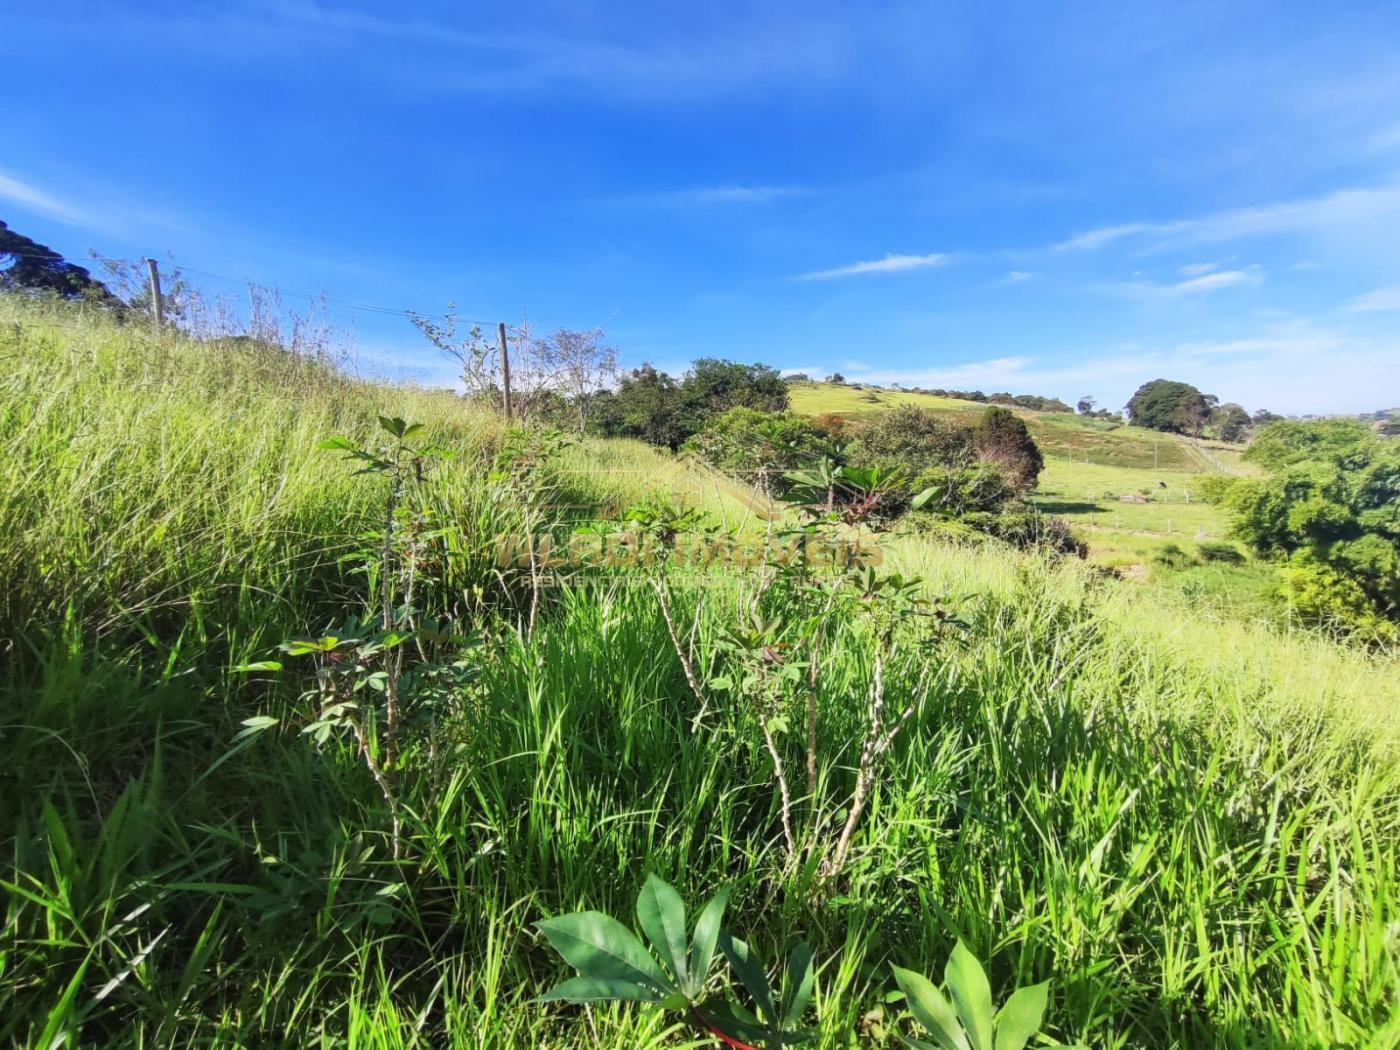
967,984
255,725
662,915
258,665
931,1010
303,646
412,430
922,499
702,946
1020,1017
750,973
798,989
336,443
595,989
598,946
395,425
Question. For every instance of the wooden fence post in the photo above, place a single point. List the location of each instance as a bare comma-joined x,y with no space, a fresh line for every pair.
505,369
157,307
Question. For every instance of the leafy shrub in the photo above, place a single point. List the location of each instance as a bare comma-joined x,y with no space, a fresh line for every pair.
1287,442
1214,488
1323,596
1030,530
1334,519
963,490
1172,556
749,442
1220,552
915,440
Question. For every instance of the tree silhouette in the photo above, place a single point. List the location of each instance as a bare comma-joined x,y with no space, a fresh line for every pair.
28,266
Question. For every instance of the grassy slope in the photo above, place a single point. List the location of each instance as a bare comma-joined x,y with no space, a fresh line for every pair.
1190,824
1058,433
1090,465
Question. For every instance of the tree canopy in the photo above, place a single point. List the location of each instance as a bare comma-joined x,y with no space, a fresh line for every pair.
1170,405
1330,511
1286,442
657,408
28,266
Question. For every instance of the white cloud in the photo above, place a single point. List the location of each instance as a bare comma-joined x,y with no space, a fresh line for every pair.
889,264
1350,207
1380,299
1261,346
453,53
1210,282
703,195
1213,282
1017,276
1197,269
35,200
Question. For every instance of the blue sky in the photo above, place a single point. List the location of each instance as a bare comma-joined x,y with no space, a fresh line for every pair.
1052,198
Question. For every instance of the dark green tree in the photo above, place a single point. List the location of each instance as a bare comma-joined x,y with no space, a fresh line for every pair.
1001,438
645,405
28,266
713,385
1166,404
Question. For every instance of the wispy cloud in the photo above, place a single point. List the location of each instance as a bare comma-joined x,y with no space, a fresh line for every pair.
1267,346
475,54
717,195
35,200
1197,269
889,264
1208,282
1373,302
1017,276
1212,282
1346,207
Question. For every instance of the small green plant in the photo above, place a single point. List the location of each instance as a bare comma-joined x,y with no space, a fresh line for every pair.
361,660
970,1021
614,965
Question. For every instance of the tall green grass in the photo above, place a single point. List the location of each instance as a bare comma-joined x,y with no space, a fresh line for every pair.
1190,826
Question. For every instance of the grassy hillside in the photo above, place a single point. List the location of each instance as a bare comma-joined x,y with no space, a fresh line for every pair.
1189,825
1095,473
1096,441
